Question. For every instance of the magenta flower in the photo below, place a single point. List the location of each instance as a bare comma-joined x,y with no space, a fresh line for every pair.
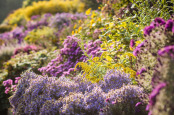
148,30
137,49
167,50
7,90
170,25
155,92
17,79
160,21
107,100
132,43
8,83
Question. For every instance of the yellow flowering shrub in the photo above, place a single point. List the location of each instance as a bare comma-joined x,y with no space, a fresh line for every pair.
95,69
42,7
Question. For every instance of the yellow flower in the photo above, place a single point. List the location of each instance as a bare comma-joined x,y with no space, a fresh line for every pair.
93,15
79,29
75,26
88,11
111,25
99,8
72,32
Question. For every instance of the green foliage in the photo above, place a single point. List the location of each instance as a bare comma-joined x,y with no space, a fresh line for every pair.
91,4
6,52
147,10
44,37
22,62
5,28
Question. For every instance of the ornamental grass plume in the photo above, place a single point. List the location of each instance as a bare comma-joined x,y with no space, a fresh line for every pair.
158,35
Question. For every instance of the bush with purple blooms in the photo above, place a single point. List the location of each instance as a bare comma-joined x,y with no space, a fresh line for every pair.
27,49
51,95
161,99
69,56
158,35
66,60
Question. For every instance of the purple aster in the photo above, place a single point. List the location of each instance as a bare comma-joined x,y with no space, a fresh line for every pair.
17,79
132,43
168,49
148,30
137,49
155,92
160,21
8,83
169,25
107,100
142,70
138,104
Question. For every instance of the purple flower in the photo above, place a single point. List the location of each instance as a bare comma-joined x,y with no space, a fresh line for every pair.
160,21
142,70
170,25
155,92
138,104
132,43
8,83
148,30
17,79
167,50
7,90
107,100
137,49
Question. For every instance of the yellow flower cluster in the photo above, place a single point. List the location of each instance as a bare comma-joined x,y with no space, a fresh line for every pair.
42,7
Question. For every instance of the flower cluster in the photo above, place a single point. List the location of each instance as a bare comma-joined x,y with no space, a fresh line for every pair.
64,19
9,87
42,95
69,56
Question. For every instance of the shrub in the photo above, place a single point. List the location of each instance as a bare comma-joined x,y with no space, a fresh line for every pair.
160,99
23,62
42,95
53,7
5,28
158,35
44,37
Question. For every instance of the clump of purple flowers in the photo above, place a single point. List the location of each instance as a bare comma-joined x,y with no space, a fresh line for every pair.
42,95
9,87
169,25
65,19
69,56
